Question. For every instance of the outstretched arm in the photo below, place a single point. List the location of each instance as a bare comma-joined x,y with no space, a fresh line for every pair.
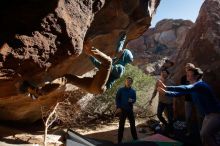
171,93
95,84
100,56
180,88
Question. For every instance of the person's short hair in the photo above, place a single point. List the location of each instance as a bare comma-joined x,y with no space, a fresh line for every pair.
190,65
130,78
197,72
165,71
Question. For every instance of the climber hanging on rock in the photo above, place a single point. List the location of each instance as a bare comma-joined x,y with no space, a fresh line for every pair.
109,70
121,59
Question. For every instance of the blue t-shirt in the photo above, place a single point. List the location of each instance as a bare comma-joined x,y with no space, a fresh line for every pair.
125,98
201,93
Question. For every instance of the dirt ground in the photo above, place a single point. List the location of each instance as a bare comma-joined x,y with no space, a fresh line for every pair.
109,131
11,135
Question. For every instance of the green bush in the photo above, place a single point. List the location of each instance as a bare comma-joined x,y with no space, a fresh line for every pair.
104,104
143,84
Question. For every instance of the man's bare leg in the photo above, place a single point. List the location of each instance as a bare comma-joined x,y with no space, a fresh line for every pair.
95,84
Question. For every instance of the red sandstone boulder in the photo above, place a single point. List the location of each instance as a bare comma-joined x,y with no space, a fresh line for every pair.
156,43
41,40
202,46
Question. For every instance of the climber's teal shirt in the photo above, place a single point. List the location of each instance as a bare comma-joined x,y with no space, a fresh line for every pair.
118,67
118,64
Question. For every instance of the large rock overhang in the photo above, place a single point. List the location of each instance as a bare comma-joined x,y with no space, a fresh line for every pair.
42,40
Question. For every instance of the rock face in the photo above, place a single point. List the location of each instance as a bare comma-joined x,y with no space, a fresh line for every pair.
157,43
42,40
201,46
38,37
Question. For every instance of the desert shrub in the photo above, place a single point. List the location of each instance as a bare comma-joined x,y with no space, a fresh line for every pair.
143,84
103,106
100,108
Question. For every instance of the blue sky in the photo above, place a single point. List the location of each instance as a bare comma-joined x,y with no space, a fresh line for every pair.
177,9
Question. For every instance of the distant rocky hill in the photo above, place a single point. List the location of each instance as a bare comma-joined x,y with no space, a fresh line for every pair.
164,40
184,42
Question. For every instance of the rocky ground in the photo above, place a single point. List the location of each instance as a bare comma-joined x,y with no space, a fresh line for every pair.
28,135
12,135
109,131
